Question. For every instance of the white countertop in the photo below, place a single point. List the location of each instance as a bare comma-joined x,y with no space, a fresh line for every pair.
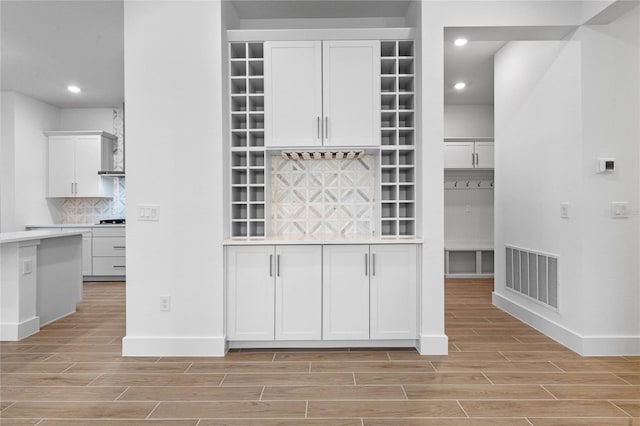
77,225
282,240
15,237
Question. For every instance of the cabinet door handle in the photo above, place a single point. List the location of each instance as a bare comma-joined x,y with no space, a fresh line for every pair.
473,159
326,128
278,265
477,160
366,264
119,266
373,264
72,187
318,127
119,247
270,265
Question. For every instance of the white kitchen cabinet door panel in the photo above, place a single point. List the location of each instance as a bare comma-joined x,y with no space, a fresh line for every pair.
345,292
484,155
61,166
458,155
298,292
351,85
88,162
251,293
393,291
293,93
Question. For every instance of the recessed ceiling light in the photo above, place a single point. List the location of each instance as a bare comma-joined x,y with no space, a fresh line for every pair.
459,86
460,42
73,89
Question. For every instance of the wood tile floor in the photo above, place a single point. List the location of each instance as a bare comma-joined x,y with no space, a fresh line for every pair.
498,372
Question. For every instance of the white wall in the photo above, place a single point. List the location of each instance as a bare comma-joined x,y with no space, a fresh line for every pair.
538,164
7,162
464,121
560,105
175,160
611,111
24,195
87,119
435,16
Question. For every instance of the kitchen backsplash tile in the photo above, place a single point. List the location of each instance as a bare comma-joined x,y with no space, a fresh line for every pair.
91,210
322,197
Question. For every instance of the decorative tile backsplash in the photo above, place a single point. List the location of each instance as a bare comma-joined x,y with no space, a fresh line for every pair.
322,197
91,210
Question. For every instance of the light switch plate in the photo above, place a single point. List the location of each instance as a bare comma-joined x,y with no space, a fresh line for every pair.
149,212
564,210
619,209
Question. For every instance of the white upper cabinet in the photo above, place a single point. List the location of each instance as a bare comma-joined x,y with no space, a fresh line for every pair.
293,93
484,155
351,83
468,155
322,93
75,158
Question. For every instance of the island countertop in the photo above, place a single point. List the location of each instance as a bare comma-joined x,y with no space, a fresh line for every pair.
19,236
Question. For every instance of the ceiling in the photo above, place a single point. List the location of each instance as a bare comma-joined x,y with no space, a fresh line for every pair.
472,64
47,45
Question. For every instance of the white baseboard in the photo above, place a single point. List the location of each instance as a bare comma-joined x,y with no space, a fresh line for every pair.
433,344
583,345
174,346
11,332
310,344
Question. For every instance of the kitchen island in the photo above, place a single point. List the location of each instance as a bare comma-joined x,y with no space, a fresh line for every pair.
40,280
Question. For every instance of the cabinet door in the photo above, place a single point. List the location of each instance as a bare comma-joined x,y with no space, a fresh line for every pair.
250,285
484,155
393,291
298,293
88,162
458,155
345,310
351,85
61,166
293,93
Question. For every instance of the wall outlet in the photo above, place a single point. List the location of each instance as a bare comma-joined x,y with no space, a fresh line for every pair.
165,303
619,210
564,210
149,212
27,266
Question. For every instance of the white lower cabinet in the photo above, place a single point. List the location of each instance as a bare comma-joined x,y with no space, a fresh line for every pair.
393,291
298,292
345,311
329,292
274,292
370,292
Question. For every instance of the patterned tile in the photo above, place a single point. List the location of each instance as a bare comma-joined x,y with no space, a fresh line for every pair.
322,197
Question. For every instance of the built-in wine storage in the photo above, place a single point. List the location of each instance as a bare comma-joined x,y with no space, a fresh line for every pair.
246,71
398,143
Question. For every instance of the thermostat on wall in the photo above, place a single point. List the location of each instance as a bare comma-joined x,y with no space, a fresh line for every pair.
605,165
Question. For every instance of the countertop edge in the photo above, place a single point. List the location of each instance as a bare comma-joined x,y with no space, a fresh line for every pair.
20,236
78,225
279,241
